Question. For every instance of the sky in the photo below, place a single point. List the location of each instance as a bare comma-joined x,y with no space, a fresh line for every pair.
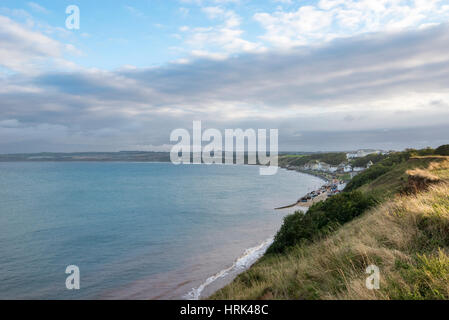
329,74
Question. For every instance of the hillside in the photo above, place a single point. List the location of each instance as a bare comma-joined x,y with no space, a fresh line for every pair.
394,215
133,156
332,158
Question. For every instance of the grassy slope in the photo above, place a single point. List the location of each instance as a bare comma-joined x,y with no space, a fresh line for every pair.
407,237
333,158
392,182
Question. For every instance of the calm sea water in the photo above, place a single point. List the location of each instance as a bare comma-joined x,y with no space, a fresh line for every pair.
135,230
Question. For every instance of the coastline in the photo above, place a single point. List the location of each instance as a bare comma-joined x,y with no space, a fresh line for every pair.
243,258
241,264
246,260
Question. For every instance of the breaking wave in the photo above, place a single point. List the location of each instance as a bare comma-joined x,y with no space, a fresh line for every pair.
245,261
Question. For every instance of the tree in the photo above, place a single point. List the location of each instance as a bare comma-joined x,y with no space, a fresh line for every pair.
443,150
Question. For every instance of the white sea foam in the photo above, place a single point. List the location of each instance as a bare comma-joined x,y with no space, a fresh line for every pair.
245,261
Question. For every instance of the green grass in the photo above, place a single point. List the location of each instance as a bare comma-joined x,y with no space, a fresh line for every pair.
407,238
428,276
395,179
324,256
332,158
321,219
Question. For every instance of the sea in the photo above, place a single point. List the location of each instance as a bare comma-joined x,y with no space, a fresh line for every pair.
136,230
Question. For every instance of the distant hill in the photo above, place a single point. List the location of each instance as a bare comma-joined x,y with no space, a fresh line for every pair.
89,156
332,158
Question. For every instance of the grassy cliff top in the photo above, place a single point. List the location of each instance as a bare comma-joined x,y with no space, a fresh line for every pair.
406,235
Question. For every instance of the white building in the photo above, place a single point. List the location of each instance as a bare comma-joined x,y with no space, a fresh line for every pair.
332,169
320,166
361,153
351,155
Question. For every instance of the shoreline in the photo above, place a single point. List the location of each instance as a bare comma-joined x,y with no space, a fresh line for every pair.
246,260
241,264
323,196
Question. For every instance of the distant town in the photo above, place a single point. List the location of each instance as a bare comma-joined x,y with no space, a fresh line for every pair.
333,166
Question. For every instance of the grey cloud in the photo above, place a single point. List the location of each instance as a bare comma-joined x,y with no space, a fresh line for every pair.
340,95
394,139
346,70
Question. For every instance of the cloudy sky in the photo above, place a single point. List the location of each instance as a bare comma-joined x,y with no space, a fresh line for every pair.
329,74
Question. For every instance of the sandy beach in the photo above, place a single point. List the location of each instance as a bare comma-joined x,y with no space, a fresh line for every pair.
307,204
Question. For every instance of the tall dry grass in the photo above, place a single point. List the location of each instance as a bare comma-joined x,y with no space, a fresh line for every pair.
407,238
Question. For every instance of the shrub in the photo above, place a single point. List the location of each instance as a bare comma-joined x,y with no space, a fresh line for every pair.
383,167
442,150
321,219
366,177
362,162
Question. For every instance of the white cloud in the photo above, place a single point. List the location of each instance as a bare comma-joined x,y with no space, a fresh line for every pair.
294,28
330,19
38,8
25,50
219,40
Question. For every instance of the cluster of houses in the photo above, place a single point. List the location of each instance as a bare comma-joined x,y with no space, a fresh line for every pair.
344,167
341,168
